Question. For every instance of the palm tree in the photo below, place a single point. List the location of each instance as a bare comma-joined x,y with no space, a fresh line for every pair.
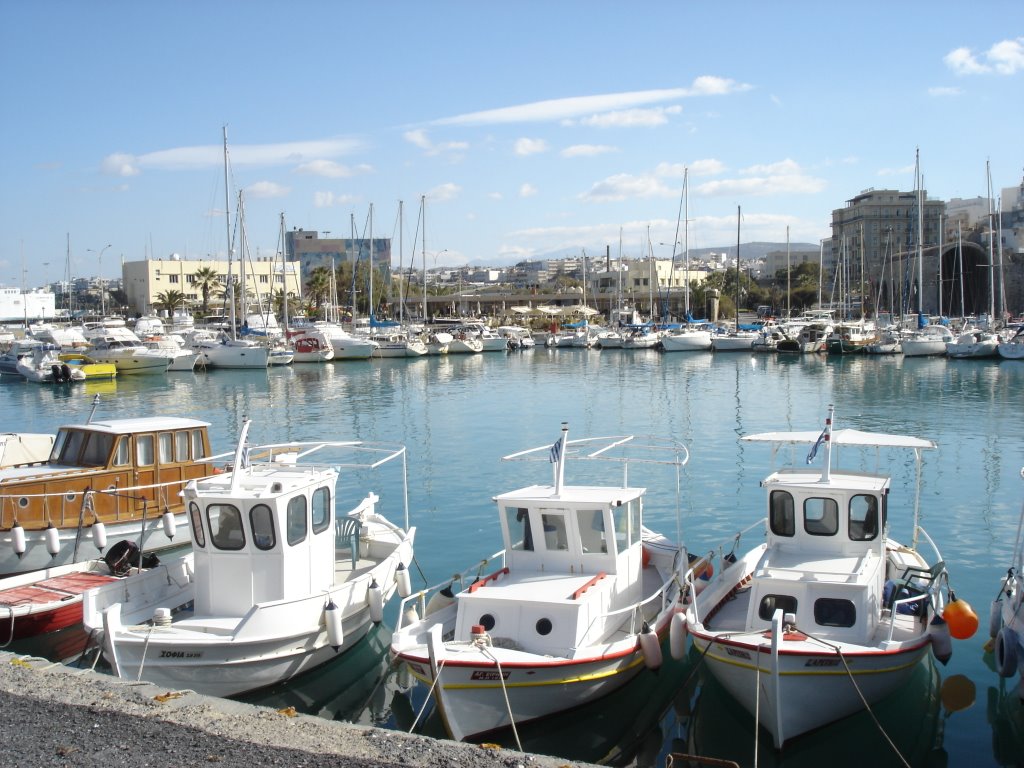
169,301
318,287
208,280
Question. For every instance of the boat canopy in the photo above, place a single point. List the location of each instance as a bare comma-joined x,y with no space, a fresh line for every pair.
844,437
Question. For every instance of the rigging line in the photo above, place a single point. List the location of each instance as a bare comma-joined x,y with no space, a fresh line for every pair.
426,699
504,691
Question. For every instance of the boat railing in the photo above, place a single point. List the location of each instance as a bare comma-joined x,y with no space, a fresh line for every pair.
718,557
907,601
633,612
466,579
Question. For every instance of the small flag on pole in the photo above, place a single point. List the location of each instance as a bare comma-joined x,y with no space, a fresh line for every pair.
556,451
817,443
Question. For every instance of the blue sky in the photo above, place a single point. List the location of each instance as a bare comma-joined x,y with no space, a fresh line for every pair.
531,127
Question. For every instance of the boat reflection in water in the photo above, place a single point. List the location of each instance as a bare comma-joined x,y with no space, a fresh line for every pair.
914,718
353,687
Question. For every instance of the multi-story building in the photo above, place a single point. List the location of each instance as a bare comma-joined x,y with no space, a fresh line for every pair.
311,251
145,280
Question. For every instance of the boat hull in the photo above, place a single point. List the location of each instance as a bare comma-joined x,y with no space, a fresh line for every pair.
811,688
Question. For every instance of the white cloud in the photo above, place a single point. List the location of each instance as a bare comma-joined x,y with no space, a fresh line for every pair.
940,91
444,192
696,168
212,156
631,118
120,165
326,168
495,196
577,106
587,150
896,171
419,138
329,199
784,177
1004,58
524,146
527,190
624,186
266,189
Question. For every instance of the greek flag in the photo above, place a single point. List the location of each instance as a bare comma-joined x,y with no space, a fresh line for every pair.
556,451
244,461
814,448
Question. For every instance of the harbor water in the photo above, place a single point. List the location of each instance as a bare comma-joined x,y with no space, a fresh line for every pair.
458,415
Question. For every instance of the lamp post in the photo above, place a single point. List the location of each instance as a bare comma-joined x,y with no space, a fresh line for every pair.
103,285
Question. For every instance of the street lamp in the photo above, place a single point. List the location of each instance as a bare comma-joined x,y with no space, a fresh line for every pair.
103,296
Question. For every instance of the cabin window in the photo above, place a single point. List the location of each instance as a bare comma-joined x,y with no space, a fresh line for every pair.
591,525
72,447
771,603
196,518
296,521
97,450
781,514
831,612
321,510
261,520
863,518
520,535
144,450
225,522
555,538
181,446
58,445
166,447
197,445
821,517
122,453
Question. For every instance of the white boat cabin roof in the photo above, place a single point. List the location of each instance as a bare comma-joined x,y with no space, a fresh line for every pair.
144,424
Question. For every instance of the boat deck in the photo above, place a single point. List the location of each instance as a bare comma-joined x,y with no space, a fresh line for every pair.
54,590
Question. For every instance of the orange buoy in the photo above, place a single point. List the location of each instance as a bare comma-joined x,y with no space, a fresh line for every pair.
645,556
961,618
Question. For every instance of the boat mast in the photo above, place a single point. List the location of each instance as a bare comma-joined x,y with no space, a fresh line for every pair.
960,261
686,239
939,260
920,232
373,313
737,269
991,253
227,223
789,289
355,264
423,242
284,285
401,260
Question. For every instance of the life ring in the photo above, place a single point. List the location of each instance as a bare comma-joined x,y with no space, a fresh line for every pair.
1005,652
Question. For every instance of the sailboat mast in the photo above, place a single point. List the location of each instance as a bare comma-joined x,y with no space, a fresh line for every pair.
423,224
686,239
991,252
960,261
227,224
401,260
355,264
738,216
939,260
789,312
920,232
284,284
373,308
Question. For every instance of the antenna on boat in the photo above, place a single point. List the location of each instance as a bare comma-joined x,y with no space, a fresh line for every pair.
241,455
558,457
827,435
95,405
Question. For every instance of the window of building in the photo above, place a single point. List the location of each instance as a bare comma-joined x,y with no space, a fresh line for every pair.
173,279
264,278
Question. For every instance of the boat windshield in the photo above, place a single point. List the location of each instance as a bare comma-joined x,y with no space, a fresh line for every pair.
81,448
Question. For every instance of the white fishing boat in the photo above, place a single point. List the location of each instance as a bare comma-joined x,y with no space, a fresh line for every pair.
573,609
1006,619
830,614
276,583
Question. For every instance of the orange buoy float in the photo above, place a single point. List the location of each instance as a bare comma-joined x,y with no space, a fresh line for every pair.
961,618
645,556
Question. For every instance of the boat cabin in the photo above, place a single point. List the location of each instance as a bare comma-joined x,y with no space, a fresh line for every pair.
825,557
262,534
150,459
587,534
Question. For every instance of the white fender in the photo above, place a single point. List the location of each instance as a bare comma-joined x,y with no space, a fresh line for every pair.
169,526
332,618
52,536
1005,652
440,599
677,632
375,598
403,580
650,647
18,540
995,618
942,644
99,535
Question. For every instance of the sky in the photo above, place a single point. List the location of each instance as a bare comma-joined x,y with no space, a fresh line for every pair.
502,130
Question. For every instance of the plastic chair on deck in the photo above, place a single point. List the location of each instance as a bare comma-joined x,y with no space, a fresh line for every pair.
914,581
347,536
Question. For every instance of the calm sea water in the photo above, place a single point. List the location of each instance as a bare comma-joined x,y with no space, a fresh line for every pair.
458,415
